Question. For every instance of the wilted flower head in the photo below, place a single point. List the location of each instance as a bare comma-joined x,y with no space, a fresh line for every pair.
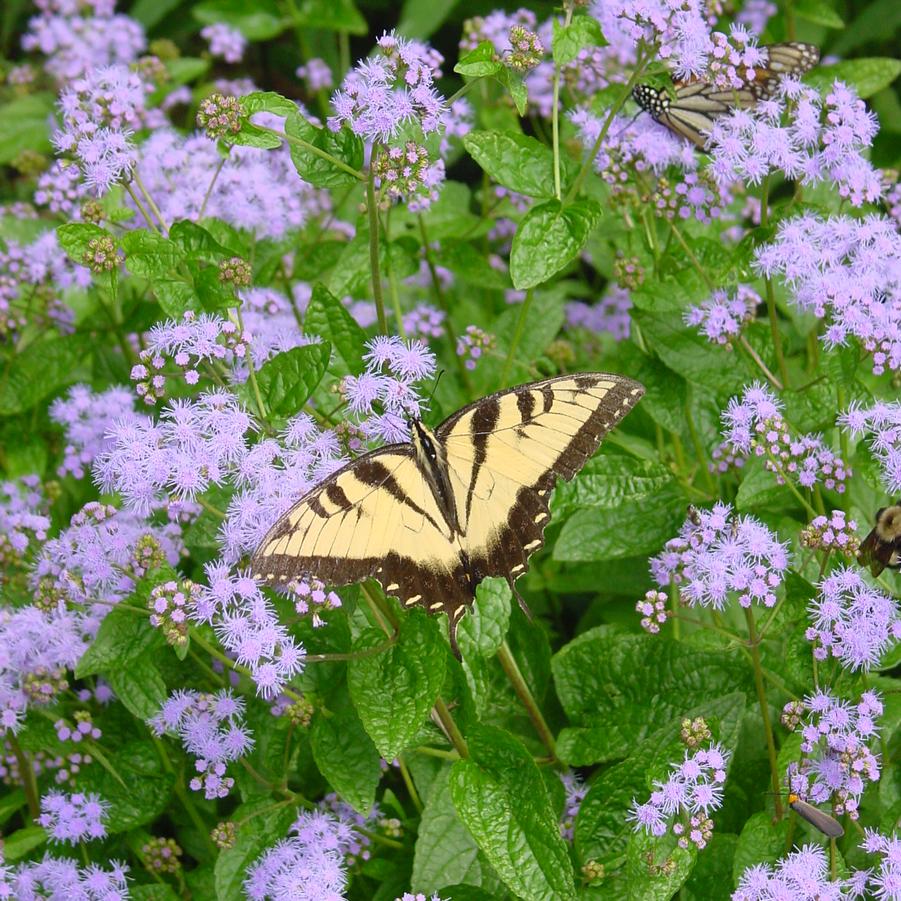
847,272
718,556
852,621
837,761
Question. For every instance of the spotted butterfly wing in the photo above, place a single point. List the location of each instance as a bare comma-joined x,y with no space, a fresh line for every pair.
431,518
697,104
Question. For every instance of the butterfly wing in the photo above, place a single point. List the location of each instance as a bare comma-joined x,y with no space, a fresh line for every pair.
505,452
374,517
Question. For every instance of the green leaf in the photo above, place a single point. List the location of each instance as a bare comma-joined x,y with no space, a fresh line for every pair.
582,32
261,827
761,841
615,688
820,12
421,18
25,125
868,76
269,102
149,254
123,636
345,754
139,686
328,318
758,488
252,135
607,481
258,21
479,62
445,852
332,15
629,529
146,790
41,369
196,241
289,378
176,296
711,878
214,295
515,84
11,802
483,629
75,236
21,842
656,887
344,145
394,691
549,238
500,796
516,161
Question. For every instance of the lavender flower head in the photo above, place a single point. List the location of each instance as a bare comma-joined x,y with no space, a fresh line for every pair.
800,876
610,315
722,316
852,621
837,761
211,727
73,818
23,520
390,89
576,790
718,556
683,803
847,272
225,42
387,393
832,533
881,424
317,75
63,878
307,864
885,882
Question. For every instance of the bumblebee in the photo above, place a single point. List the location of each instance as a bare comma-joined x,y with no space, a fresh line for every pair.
882,547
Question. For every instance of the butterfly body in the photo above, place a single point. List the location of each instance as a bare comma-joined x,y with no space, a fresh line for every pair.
693,106
431,518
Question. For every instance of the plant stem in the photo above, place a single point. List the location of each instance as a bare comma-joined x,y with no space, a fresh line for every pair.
212,184
26,773
517,336
743,342
312,148
555,111
147,218
376,273
408,781
791,485
450,727
150,201
392,281
754,647
770,290
511,669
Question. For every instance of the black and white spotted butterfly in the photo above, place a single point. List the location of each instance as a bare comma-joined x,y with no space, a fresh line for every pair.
693,106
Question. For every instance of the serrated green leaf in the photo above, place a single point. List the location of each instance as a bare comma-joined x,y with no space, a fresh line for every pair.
19,843
261,827
10,803
259,21
344,145
139,686
176,296
445,851
761,841
656,886
500,796
516,161
252,135
345,754
583,31
25,125
711,878
483,629
196,241
758,489
269,102
328,318
74,238
393,691
214,295
42,368
150,255
549,238
516,85
289,378
868,76
479,62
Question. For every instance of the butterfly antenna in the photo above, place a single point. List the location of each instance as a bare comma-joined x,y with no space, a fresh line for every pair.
627,124
519,599
428,403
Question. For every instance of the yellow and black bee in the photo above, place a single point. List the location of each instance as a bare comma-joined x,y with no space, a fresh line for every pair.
882,547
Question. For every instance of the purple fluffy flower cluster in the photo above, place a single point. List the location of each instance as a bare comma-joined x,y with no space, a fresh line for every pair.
683,803
23,520
717,556
852,621
832,533
883,883
837,762
609,316
211,728
802,875
316,74
101,111
424,321
258,190
62,189
386,394
405,172
247,625
473,343
848,272
73,818
722,316
822,141
881,424
356,847
307,864
87,418
390,89
79,36
225,42
575,789
63,878
753,423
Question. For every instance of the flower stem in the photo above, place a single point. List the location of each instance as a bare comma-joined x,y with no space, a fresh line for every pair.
150,201
754,647
770,290
147,217
408,781
212,184
517,337
743,342
450,727
555,111
373,211
26,774
511,669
